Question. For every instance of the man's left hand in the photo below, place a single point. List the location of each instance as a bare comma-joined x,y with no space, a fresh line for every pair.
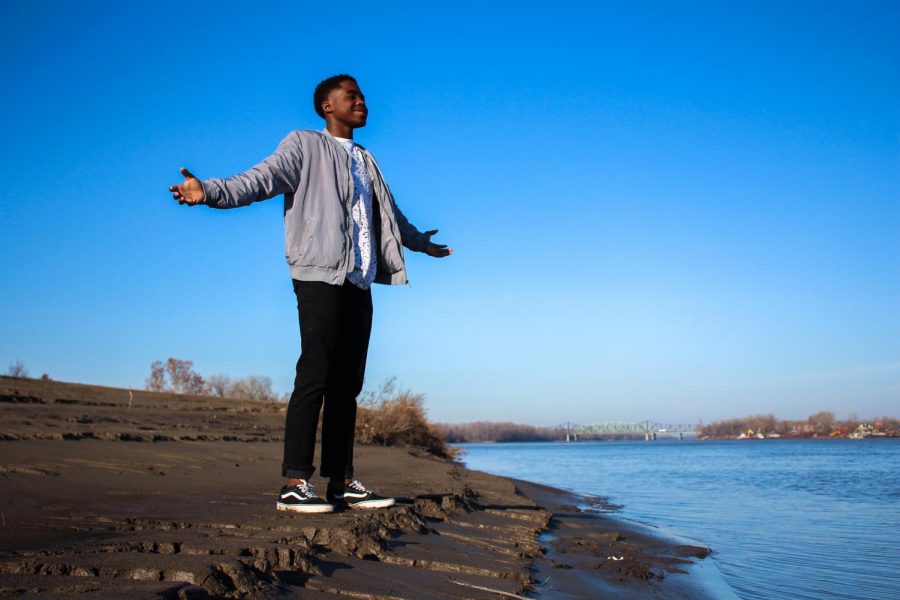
436,250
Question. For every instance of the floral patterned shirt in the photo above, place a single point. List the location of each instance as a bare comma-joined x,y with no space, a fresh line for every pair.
364,252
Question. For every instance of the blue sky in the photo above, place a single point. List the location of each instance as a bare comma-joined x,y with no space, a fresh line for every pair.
661,210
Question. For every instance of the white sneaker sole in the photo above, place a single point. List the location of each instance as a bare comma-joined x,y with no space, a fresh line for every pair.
305,508
383,503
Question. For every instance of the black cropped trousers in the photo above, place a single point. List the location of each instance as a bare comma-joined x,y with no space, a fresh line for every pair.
335,325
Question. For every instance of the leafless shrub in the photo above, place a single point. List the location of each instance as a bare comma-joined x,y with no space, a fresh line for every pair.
17,369
218,385
254,388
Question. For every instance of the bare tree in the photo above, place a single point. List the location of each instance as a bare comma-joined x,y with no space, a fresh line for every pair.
175,376
184,379
218,384
157,380
852,422
785,427
822,422
17,369
762,423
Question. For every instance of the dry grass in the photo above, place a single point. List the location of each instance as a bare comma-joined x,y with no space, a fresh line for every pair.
397,418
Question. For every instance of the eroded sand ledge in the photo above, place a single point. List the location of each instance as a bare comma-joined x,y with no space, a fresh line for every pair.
154,495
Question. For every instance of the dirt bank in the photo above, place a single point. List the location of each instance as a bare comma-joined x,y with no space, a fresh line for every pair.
112,494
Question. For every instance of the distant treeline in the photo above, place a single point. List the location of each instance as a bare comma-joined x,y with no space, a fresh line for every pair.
822,423
488,431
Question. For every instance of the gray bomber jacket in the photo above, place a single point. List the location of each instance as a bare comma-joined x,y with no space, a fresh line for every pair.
312,170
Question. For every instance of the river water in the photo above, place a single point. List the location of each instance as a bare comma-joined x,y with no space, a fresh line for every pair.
785,518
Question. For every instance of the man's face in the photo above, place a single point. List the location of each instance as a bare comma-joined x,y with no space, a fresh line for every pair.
347,104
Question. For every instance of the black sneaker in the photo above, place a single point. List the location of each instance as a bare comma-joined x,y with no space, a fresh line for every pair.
302,498
355,495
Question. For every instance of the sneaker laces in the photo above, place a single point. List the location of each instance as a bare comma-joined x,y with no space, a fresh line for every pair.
307,489
357,485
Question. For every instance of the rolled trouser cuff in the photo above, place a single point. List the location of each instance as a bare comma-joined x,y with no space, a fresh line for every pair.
336,473
295,473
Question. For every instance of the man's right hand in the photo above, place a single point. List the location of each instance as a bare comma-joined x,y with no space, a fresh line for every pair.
188,192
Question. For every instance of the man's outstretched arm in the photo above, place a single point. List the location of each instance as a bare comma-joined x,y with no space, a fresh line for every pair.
414,239
277,174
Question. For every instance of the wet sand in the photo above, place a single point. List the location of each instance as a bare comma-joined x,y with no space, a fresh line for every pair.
112,494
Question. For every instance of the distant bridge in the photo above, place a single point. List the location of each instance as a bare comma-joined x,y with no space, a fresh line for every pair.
648,429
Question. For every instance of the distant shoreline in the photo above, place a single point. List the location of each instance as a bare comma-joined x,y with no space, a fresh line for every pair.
692,438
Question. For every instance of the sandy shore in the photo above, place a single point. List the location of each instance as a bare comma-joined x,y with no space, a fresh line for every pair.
107,494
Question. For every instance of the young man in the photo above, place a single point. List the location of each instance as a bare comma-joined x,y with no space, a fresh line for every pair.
343,231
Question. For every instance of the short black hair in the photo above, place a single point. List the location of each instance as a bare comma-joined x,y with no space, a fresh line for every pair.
325,88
